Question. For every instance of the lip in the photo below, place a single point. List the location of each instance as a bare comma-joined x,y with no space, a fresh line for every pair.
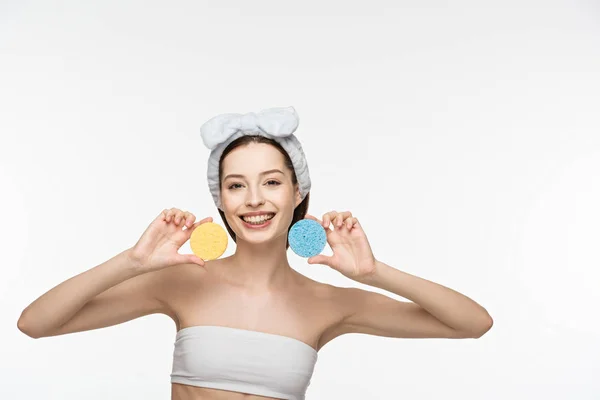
261,226
254,213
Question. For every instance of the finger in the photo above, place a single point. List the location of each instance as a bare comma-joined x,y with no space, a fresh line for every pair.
189,220
341,217
182,218
349,223
321,259
327,229
179,216
197,224
191,258
338,220
327,217
170,214
163,214
197,260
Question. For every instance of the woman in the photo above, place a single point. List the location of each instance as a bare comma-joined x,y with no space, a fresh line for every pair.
248,326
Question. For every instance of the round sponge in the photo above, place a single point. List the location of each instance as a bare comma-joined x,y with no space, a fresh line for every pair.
208,241
307,238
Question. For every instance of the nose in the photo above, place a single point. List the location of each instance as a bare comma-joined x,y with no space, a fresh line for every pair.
254,198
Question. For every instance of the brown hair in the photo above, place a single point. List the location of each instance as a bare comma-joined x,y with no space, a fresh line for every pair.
302,208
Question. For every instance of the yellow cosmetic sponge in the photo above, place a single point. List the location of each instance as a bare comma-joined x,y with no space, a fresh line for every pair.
208,241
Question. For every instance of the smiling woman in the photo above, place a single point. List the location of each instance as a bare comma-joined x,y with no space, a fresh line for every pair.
271,177
249,326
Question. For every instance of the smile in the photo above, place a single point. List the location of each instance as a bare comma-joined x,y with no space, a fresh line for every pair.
258,221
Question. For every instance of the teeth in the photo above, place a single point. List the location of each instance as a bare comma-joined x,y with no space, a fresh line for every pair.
258,219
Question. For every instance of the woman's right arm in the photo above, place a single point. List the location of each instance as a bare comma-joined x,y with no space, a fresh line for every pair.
132,284
113,292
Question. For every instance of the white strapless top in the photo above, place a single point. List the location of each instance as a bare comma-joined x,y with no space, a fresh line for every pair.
243,361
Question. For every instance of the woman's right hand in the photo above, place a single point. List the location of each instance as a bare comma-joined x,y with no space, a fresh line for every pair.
158,246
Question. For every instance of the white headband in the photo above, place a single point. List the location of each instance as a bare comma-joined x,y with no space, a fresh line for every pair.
277,123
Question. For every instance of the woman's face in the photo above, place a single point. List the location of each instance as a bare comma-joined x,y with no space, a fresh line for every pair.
255,178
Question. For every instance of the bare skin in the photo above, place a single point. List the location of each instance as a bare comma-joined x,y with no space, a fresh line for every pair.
191,294
255,289
302,309
194,292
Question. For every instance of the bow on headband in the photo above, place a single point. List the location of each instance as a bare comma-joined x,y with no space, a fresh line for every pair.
275,122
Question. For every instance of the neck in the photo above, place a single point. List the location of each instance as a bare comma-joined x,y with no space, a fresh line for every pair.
261,267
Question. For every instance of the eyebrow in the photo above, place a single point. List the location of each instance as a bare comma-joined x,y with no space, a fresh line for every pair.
262,173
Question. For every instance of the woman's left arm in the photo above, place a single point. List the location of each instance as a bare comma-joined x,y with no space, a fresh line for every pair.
435,311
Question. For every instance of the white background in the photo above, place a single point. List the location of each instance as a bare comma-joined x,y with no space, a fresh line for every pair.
465,136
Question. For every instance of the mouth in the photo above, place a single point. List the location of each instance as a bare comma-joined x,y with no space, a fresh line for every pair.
258,221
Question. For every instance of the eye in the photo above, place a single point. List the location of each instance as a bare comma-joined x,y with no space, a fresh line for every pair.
234,185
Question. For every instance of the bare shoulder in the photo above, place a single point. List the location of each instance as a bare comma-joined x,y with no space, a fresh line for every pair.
317,299
334,295
320,291
182,275
168,281
176,284
344,299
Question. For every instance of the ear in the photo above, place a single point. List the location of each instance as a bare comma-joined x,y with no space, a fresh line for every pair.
298,196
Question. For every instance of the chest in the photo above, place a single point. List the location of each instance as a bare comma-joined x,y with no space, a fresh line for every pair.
302,313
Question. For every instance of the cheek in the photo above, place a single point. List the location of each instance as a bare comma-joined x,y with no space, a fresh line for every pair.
231,199
282,197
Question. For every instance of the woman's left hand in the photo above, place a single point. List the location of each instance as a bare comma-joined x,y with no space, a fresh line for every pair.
352,254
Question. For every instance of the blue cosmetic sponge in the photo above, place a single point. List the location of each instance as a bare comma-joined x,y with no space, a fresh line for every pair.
307,238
